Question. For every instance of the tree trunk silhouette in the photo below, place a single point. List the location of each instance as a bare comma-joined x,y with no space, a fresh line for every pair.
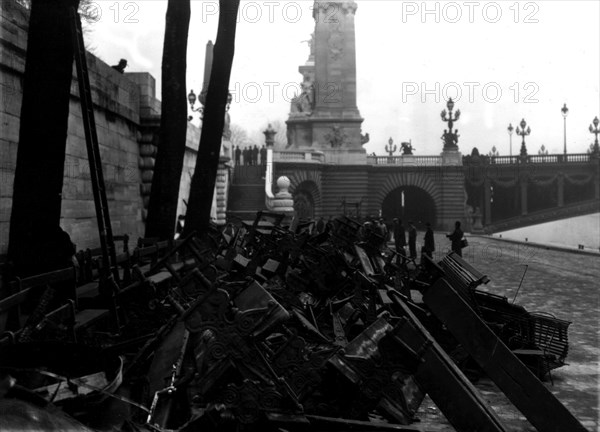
36,242
207,162
162,209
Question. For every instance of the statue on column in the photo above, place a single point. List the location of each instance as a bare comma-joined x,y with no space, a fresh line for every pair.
305,102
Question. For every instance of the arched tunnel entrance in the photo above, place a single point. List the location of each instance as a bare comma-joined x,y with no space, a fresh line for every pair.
304,205
409,203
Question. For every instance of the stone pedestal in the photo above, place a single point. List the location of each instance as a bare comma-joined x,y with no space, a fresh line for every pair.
283,201
477,225
451,158
345,157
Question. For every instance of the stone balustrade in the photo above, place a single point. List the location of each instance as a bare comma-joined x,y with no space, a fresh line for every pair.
406,160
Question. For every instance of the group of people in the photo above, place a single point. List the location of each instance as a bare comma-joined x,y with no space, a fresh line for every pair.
456,238
400,239
250,155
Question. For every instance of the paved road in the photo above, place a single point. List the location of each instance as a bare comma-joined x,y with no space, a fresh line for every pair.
564,284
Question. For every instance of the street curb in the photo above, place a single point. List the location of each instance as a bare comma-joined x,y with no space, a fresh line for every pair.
539,245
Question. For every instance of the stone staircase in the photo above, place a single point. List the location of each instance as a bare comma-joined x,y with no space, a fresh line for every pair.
246,192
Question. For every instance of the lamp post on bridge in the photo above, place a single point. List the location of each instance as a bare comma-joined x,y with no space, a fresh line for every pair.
494,152
510,132
595,131
523,132
450,138
391,149
564,110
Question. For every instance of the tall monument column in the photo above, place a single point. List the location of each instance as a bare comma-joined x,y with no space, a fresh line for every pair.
335,59
325,115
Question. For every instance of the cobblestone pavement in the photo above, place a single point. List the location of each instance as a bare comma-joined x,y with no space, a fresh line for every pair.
564,284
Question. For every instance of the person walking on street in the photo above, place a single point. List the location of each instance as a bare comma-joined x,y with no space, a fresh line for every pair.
428,242
456,239
412,240
255,155
399,237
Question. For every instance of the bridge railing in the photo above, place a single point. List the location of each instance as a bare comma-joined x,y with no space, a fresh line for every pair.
408,160
529,159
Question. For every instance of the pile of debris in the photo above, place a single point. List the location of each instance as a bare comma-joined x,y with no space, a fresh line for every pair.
279,329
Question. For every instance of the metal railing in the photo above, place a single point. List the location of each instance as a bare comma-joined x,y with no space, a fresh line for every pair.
529,159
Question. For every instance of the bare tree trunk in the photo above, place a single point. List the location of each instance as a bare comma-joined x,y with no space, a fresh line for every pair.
162,209
36,242
207,162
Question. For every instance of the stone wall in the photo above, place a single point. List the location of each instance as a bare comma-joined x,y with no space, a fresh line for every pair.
126,112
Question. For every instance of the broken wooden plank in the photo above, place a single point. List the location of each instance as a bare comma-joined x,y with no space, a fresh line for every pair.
440,378
522,388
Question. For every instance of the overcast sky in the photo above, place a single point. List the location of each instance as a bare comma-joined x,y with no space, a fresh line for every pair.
509,60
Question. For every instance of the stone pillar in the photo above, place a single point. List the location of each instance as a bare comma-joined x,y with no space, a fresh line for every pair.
335,58
325,115
561,190
487,197
523,183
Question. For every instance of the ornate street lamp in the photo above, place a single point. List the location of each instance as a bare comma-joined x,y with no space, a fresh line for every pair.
391,147
510,132
595,131
543,151
564,110
494,152
192,100
450,138
523,132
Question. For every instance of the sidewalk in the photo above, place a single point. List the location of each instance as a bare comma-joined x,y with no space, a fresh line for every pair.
559,248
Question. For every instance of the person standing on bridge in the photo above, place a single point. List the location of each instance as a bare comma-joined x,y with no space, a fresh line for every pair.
245,156
263,156
456,239
238,154
412,240
254,155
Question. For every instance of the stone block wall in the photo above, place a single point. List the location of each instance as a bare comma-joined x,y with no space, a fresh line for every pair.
127,115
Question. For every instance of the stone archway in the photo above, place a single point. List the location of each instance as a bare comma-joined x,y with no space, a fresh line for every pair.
306,199
304,205
409,203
